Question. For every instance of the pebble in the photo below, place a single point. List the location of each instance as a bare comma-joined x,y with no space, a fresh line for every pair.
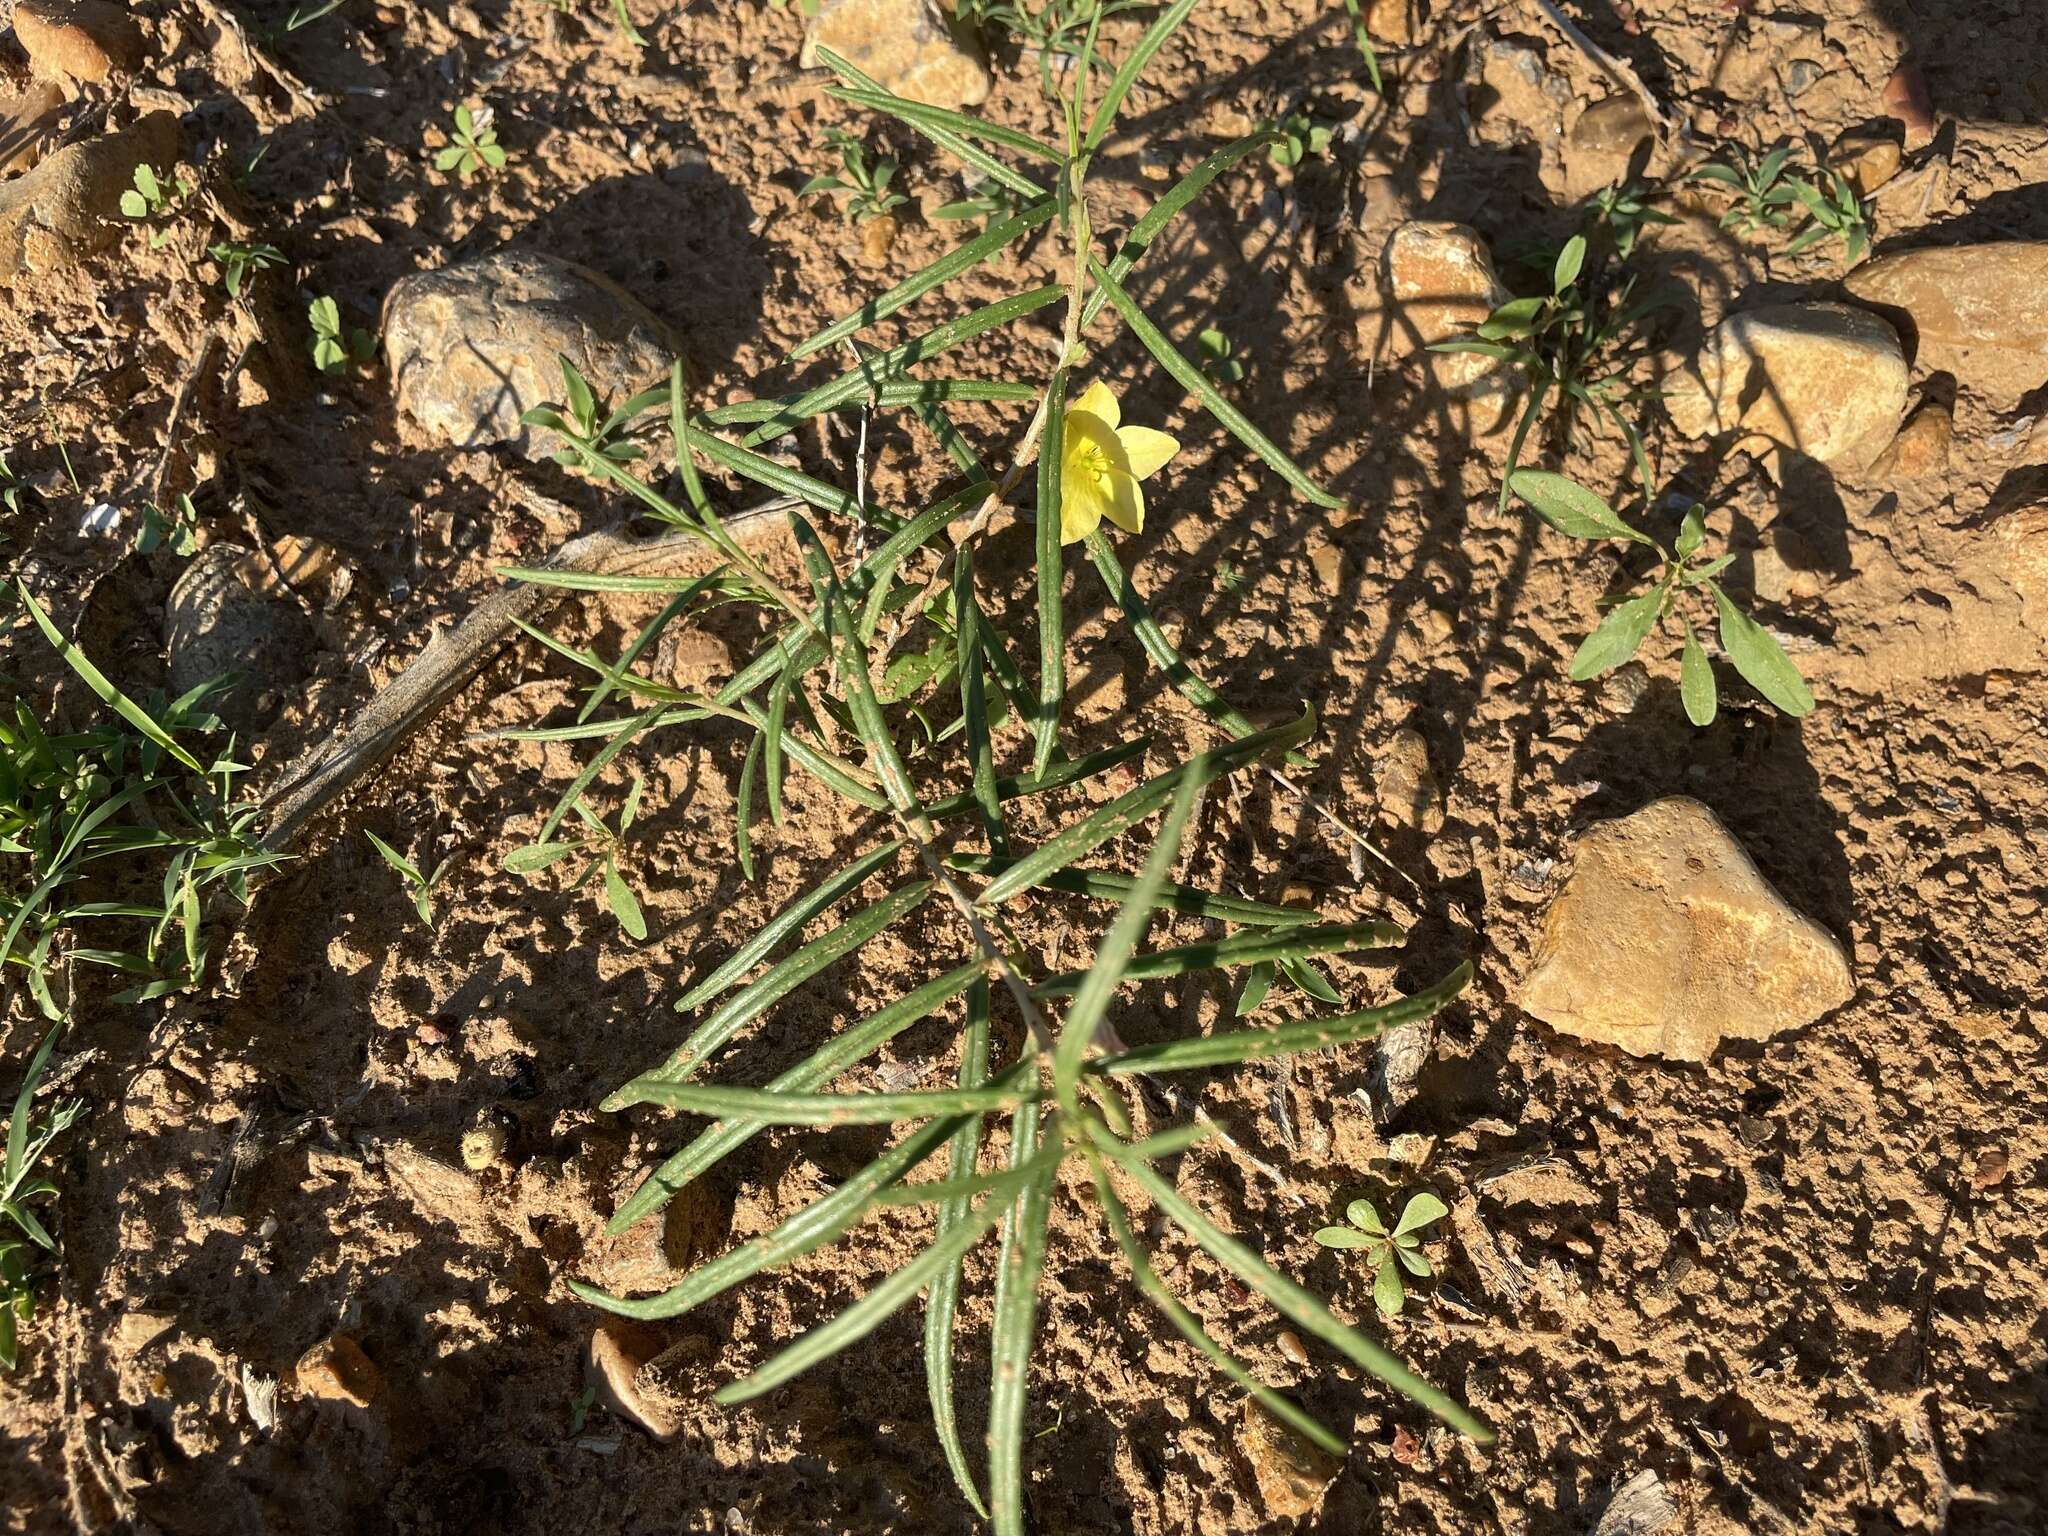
1920,451
1292,1472
1408,793
215,624
1667,940
88,41
1289,1344
1640,1507
906,45
68,206
1397,23
617,1365
336,1370
140,1327
1977,311
1906,98
29,119
473,346
1440,283
1602,143
1993,1163
1867,157
1824,379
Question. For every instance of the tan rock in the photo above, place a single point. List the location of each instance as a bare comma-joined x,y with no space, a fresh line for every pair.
1867,158
1825,379
1602,142
1292,1472
29,119
1786,568
1977,311
909,46
70,205
474,346
140,1327
1408,793
336,1370
1439,281
1398,23
1666,940
1921,448
84,40
297,565
619,1353
878,238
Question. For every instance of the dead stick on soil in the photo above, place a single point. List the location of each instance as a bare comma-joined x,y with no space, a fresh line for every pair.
1615,69
453,657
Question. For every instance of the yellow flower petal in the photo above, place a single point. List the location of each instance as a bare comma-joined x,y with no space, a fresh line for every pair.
1126,506
1082,504
1098,402
1145,449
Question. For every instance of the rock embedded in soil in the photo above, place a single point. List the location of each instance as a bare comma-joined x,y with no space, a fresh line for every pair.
474,346
1867,158
908,46
1666,940
29,119
336,1370
1440,280
1824,379
619,1355
1602,142
1397,23
216,624
69,205
1408,793
1977,311
1292,1472
1920,451
89,41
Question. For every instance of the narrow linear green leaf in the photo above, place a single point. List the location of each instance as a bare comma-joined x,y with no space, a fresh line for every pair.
97,681
1239,949
1052,633
771,1106
954,143
1120,84
1111,885
974,699
789,920
921,114
942,1297
1016,1314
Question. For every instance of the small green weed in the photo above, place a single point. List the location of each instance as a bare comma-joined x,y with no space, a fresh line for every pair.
1572,509
239,261
987,200
420,887
576,418
1053,30
600,847
1301,138
475,144
149,200
1769,194
1217,359
175,529
1388,1252
861,187
27,1139
332,349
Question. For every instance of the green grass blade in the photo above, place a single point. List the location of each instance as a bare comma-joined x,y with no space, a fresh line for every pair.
922,115
1233,1046
1303,1309
771,737
1080,838
1058,776
1052,628
945,138
944,270
1238,949
974,699
743,809
98,682
1112,885
1134,65
817,1069
1016,1312
1190,1328
789,920
770,1106
670,611
942,1298
888,1297
1196,383
782,978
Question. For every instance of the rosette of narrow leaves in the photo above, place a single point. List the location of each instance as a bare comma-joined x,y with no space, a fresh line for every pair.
1045,1101
1675,593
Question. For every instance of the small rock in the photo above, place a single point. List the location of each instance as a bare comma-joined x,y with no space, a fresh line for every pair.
1327,558
1825,379
1602,143
1977,311
1666,940
1412,1149
1398,23
1867,158
1906,98
336,1370
1920,451
29,119
1289,1344
1292,1472
475,345
1440,283
214,626
1397,1067
1640,1507
1800,76
618,1355
1525,94
141,1327
1993,1163
698,659
83,40
1408,793
909,46
1785,568
1406,1449
69,205
878,238
307,567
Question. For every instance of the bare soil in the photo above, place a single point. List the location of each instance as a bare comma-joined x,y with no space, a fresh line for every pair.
1802,1283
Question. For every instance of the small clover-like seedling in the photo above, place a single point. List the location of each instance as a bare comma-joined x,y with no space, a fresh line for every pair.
333,347
175,528
1683,582
1388,1252
861,186
420,887
1301,138
474,145
20,1185
239,261
1217,359
150,200
599,847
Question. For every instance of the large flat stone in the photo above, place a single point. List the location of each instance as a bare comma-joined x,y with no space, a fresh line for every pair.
1977,311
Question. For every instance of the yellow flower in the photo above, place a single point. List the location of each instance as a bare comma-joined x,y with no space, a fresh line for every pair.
1102,465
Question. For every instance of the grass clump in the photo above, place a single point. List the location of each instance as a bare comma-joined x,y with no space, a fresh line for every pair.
21,1188
1048,1105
